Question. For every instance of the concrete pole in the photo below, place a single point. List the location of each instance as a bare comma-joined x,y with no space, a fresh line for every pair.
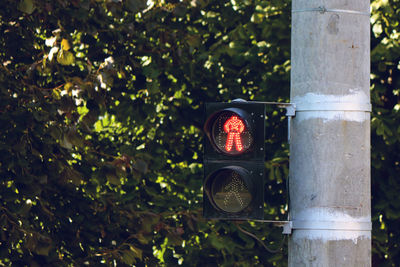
330,139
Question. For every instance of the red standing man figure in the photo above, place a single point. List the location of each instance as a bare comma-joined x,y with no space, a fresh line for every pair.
233,127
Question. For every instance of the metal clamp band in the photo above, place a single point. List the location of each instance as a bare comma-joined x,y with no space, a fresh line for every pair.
334,106
332,225
323,10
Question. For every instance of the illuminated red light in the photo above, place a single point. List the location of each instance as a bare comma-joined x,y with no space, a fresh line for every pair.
233,127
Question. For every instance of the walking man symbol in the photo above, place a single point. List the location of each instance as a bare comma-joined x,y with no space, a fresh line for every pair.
234,188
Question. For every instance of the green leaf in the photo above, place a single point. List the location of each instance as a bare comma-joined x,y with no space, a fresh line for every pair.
112,178
174,239
138,253
43,246
140,166
148,222
144,238
257,18
31,241
65,57
135,5
216,241
26,6
128,257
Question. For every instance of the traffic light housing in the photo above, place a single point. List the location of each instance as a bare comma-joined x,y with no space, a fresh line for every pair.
234,160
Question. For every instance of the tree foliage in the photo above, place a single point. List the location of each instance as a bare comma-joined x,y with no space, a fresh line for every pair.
385,131
101,112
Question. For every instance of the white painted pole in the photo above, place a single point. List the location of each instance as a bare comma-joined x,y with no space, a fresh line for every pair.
330,139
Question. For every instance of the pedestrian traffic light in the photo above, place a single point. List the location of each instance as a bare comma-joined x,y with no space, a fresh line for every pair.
234,160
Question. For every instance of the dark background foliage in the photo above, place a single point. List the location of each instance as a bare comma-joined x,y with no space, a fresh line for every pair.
101,113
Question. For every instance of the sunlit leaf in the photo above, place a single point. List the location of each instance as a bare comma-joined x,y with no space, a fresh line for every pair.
65,57
65,45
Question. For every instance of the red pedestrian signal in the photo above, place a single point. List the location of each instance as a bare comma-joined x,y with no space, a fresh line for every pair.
234,160
234,127
230,133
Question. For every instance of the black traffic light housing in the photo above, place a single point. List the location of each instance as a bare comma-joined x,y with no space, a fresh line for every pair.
234,160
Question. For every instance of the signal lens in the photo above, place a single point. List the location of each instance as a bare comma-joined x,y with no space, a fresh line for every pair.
231,134
230,191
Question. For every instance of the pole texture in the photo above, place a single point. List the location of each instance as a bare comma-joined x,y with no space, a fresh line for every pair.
330,137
